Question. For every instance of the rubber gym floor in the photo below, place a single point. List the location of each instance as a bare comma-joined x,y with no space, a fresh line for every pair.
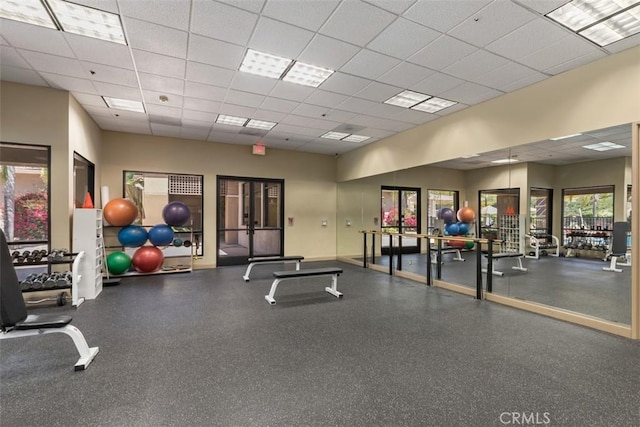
205,349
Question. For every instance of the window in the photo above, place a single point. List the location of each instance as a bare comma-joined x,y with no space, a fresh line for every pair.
494,204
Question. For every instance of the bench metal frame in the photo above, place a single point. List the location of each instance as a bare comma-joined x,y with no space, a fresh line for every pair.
536,245
333,290
270,260
498,256
457,257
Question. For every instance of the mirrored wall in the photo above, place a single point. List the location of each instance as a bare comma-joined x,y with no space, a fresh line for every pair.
563,205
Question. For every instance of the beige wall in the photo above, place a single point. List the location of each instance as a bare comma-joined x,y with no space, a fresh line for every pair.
310,188
570,102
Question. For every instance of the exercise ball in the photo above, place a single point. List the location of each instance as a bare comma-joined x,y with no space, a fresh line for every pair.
161,235
452,229
469,245
458,244
447,215
177,242
132,236
118,263
466,214
176,214
147,259
120,212
463,228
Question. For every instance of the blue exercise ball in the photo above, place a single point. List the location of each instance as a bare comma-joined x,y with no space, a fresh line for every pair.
447,215
161,235
132,236
463,228
452,229
176,214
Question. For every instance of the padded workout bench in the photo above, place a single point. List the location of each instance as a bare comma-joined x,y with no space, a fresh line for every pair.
499,255
446,250
271,260
16,323
334,272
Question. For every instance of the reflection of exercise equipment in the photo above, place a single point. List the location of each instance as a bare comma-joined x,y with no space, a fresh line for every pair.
511,232
619,246
540,245
16,323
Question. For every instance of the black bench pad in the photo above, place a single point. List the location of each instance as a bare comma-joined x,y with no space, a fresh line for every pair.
307,272
276,258
40,321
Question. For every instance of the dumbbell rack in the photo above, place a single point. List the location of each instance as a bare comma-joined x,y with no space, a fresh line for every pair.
67,258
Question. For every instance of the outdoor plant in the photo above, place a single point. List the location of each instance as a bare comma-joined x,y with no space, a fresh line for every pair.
31,217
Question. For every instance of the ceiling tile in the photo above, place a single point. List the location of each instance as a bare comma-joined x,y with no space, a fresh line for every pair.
576,62
295,120
156,38
88,100
298,130
252,83
98,111
202,105
106,5
356,22
161,84
162,111
395,6
379,92
500,77
244,98
405,75
415,117
436,84
344,83
10,57
194,133
270,116
357,105
542,6
369,64
200,116
105,73
441,53
115,91
446,15
530,79
623,44
291,91
309,110
236,110
489,24
199,90
100,51
309,14
170,13
250,5
165,130
74,84
54,64
215,52
470,93
220,21
325,99
209,74
280,105
153,97
278,38
33,37
566,49
21,75
3,41
339,116
479,62
374,122
385,110
530,37
326,52
154,63
402,39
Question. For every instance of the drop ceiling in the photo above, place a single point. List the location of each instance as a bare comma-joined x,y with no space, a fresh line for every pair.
183,57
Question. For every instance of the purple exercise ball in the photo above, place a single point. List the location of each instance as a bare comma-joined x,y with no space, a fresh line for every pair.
176,214
447,215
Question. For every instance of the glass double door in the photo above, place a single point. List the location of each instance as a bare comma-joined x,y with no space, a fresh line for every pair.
250,219
401,214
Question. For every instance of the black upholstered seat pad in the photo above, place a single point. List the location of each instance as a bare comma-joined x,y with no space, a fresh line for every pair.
307,272
39,321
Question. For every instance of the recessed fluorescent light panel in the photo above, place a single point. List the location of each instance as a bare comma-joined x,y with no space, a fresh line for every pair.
433,105
307,75
260,124
501,161
124,104
407,99
334,135
601,21
264,64
603,146
88,22
29,11
564,137
231,120
356,138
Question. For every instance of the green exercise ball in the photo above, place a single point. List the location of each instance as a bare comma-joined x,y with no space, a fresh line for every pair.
118,263
468,245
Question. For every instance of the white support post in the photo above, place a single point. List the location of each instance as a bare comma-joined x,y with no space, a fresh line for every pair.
274,286
612,266
333,290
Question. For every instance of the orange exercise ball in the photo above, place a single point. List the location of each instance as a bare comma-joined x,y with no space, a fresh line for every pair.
120,212
466,214
147,259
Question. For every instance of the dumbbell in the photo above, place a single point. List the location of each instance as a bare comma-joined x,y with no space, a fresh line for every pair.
15,254
49,282
64,280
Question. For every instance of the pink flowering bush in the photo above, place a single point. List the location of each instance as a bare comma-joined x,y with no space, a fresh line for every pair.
31,217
